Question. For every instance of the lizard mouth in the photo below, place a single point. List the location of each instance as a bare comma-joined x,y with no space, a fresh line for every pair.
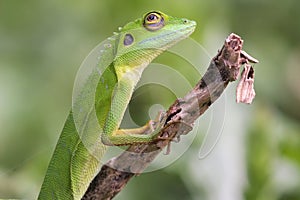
175,36
187,31
165,40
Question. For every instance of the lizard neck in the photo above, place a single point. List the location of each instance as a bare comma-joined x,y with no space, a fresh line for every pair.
132,65
131,72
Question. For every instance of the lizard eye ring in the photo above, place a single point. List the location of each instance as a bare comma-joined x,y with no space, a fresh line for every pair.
153,21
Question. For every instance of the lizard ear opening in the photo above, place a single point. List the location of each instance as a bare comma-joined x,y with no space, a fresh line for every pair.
153,21
128,39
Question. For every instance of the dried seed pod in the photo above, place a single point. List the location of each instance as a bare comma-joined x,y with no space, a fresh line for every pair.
245,90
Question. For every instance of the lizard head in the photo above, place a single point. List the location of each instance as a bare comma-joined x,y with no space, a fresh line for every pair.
145,38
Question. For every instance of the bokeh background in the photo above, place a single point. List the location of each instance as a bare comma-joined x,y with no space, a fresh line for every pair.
42,44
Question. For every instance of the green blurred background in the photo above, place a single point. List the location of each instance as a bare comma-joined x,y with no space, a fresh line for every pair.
42,44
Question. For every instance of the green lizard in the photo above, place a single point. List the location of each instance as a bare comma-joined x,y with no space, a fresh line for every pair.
100,102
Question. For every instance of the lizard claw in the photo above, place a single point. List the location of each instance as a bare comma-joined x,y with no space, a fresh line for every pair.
158,122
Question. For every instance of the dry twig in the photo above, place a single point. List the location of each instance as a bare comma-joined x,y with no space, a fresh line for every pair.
224,68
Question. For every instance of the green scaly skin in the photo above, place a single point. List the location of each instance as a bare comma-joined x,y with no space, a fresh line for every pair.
73,165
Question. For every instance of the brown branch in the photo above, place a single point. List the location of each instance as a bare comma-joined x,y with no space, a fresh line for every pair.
224,68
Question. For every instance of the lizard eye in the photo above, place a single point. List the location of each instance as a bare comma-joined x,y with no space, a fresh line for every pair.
153,21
